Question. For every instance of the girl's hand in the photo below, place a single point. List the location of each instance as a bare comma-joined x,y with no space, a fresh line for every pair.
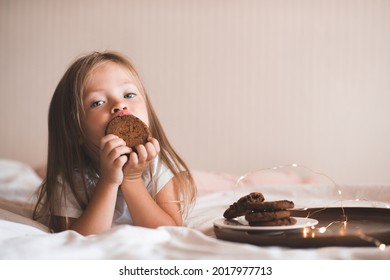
141,159
113,156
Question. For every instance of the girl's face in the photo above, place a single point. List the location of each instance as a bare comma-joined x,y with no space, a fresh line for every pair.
110,91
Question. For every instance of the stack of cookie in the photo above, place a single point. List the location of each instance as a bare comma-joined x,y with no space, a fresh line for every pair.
261,213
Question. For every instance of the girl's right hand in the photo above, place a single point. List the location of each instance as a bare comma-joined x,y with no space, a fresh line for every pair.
113,156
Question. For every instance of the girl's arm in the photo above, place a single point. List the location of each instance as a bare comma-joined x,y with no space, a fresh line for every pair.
98,215
147,212
144,210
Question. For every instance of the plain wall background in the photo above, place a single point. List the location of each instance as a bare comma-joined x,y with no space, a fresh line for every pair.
238,85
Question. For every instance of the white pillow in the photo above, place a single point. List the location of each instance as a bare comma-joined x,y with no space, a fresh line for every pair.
18,185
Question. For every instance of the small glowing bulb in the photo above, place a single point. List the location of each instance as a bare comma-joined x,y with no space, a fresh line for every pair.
382,247
322,230
339,191
305,232
357,199
294,165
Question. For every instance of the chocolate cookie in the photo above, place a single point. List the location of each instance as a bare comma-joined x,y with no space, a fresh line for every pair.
240,207
271,205
277,222
129,128
266,216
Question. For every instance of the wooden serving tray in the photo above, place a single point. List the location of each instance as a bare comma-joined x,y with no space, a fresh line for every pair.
348,226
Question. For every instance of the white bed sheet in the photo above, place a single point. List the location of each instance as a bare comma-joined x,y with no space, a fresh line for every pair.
22,238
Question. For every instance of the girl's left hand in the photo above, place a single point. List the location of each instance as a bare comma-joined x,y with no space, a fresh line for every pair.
141,159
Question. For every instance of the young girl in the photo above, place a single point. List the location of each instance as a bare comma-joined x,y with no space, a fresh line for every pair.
93,180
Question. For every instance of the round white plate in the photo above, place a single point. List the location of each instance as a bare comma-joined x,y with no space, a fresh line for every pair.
241,224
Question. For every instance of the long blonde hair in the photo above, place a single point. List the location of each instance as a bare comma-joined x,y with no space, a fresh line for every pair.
67,153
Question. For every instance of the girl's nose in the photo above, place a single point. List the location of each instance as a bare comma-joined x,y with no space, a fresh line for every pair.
118,107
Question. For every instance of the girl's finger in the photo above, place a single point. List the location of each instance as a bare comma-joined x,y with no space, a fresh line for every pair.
112,144
155,143
118,152
120,161
142,153
105,139
133,159
150,151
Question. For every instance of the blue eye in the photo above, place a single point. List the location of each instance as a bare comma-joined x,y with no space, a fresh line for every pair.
130,95
96,104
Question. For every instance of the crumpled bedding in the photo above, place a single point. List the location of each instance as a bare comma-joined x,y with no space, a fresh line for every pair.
22,238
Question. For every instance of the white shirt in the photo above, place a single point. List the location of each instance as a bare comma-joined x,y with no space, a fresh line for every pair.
161,174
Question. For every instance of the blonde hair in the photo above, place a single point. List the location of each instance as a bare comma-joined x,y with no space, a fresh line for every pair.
67,153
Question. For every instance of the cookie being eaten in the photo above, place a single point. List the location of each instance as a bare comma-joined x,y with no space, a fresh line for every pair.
129,128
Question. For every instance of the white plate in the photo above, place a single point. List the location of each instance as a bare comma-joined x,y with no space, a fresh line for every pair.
241,224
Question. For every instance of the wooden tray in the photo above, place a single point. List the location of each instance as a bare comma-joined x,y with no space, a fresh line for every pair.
363,227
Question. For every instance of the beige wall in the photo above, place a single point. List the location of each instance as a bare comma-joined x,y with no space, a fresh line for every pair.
238,85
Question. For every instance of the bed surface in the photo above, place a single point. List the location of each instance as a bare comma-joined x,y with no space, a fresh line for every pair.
23,238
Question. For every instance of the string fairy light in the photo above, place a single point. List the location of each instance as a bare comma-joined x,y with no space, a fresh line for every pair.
313,231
